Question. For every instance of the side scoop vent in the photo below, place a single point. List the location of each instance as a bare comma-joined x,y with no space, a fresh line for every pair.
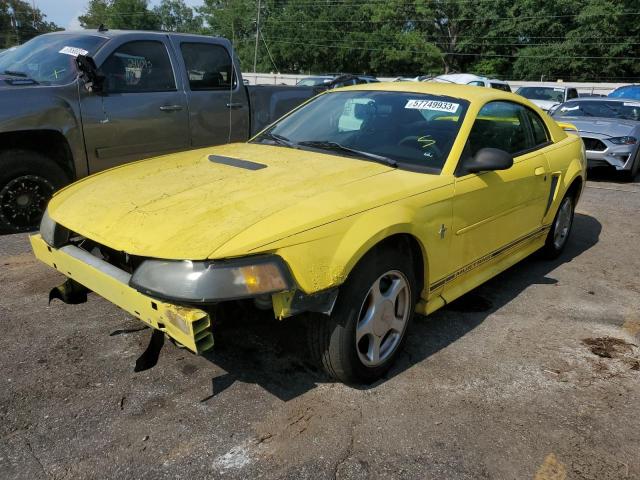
236,162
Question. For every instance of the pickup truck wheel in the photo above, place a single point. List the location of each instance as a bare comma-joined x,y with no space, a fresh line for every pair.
27,181
367,329
560,229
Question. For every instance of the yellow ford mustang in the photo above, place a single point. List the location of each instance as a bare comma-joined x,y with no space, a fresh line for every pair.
363,206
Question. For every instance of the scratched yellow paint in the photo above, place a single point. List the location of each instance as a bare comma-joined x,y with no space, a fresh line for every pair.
551,469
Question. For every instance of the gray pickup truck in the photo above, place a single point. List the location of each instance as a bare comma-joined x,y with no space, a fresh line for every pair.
157,93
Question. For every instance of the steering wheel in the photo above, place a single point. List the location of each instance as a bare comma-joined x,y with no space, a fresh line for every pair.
425,144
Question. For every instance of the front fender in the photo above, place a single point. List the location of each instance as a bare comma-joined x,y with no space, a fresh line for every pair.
325,262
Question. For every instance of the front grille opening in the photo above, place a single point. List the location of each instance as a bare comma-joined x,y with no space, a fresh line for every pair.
594,144
121,260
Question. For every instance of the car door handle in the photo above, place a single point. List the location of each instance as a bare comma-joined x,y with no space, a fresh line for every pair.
171,108
234,106
540,171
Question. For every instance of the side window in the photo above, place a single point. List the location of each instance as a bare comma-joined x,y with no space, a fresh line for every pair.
209,66
540,135
476,83
139,66
572,93
500,125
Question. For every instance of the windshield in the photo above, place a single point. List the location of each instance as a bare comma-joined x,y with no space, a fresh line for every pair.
630,91
554,94
410,130
313,81
602,109
49,59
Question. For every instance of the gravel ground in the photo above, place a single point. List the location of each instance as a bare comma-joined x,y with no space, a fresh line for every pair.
533,375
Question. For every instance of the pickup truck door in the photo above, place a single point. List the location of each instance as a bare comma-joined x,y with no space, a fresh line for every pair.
497,212
217,98
142,111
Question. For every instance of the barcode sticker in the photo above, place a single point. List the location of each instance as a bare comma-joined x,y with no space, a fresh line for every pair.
432,105
73,51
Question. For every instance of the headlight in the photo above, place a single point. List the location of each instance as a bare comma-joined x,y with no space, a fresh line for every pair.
624,140
212,281
55,235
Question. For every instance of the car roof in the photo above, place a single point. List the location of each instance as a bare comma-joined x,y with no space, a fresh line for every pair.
548,85
603,99
465,92
117,33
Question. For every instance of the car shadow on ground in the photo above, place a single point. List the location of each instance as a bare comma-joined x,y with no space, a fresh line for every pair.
252,347
610,174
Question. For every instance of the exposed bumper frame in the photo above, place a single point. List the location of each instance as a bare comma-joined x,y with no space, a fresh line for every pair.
188,326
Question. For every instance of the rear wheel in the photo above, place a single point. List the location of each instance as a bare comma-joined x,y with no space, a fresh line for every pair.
27,181
367,329
561,228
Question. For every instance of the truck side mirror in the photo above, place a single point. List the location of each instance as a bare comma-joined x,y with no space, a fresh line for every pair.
90,74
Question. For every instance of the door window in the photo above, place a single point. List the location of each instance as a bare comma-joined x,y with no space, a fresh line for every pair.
538,128
500,125
476,83
572,93
139,66
209,66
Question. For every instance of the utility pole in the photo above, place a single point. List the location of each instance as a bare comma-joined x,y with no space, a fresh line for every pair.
255,52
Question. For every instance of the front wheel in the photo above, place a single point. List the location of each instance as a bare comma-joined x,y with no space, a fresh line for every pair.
560,229
27,181
367,329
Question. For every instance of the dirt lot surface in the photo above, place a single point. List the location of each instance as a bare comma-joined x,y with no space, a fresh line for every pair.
533,375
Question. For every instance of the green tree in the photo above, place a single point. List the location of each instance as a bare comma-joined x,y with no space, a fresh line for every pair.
120,14
176,16
20,22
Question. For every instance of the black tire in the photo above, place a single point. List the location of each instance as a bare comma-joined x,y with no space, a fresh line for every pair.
332,340
552,247
27,181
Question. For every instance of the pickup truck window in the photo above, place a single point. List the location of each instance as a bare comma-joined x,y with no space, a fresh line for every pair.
48,59
139,66
209,66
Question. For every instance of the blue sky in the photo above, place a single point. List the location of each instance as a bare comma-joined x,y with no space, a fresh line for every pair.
65,12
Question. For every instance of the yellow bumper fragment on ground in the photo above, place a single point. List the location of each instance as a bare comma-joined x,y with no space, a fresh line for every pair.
189,326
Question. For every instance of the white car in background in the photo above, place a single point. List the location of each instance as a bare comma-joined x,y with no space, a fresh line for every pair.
470,79
547,97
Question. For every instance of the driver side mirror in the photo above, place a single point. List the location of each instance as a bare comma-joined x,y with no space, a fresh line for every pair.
489,159
90,74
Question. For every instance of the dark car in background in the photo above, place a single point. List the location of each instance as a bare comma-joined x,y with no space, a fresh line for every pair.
610,130
335,80
139,94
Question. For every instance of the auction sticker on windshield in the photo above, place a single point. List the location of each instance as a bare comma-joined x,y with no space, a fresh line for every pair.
73,51
432,105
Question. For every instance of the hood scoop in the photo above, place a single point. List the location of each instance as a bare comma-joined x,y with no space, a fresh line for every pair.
236,162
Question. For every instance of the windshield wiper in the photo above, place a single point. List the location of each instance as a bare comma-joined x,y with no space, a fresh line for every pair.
16,74
336,147
279,139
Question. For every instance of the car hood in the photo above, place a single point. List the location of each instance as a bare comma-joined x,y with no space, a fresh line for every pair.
185,206
545,105
602,126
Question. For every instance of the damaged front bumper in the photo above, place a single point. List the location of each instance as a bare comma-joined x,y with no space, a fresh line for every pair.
188,326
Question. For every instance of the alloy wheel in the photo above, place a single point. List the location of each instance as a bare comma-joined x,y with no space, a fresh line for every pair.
383,318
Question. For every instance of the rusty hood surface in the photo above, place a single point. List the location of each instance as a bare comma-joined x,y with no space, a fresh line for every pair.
186,206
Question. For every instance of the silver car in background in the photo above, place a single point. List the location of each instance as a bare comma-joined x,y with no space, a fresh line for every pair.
610,130
547,97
